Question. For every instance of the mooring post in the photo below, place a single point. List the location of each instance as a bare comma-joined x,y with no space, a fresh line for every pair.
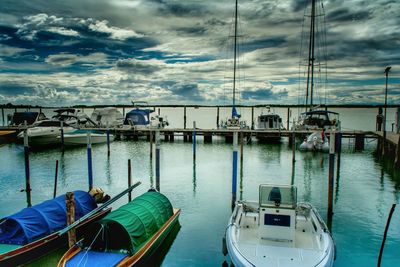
151,145
70,203
397,157
62,136
27,170
184,117
194,141
89,160
123,112
385,234
241,150
217,117
159,112
293,146
252,118
129,180
331,174
158,160
234,166
288,117
2,114
55,180
108,141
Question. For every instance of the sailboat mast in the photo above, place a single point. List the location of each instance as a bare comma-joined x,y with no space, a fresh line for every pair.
234,56
310,68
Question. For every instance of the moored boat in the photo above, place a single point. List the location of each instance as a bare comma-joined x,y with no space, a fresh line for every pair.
271,122
317,141
35,231
79,137
126,236
277,231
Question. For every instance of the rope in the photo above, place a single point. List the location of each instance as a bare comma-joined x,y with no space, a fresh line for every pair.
89,248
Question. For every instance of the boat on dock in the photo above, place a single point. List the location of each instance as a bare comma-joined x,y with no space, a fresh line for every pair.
107,117
271,122
127,236
35,231
139,118
80,137
277,231
317,141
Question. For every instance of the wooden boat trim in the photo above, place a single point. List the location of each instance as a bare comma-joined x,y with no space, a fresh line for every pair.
28,247
149,244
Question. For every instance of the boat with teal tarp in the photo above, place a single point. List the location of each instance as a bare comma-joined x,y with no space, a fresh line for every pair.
126,236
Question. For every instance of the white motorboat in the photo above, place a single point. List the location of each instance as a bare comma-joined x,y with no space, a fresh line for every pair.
46,132
317,141
270,121
276,231
80,137
107,117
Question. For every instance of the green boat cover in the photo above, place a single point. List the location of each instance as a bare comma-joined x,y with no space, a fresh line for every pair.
130,226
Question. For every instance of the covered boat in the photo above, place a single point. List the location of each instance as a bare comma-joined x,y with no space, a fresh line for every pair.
107,117
276,231
317,141
126,236
33,231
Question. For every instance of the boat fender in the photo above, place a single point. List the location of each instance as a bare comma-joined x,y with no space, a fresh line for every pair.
224,248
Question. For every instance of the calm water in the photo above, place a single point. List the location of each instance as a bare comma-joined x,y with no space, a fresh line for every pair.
364,192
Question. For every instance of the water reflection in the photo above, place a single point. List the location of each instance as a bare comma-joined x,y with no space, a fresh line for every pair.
108,171
194,178
151,173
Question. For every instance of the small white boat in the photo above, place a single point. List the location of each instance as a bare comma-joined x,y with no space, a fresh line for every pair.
79,137
46,133
276,231
317,141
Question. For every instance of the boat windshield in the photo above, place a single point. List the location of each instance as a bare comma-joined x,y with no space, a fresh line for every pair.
282,196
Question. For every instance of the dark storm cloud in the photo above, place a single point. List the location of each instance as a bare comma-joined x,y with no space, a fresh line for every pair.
137,66
345,15
7,89
298,5
182,9
188,91
264,94
263,43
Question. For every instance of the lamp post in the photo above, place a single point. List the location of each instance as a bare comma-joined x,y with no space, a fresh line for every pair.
384,118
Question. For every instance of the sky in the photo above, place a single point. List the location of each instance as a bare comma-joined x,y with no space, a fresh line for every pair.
61,53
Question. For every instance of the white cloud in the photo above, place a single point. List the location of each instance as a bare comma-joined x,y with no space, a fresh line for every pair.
115,33
9,51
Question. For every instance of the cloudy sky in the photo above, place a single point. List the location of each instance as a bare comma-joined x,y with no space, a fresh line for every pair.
180,51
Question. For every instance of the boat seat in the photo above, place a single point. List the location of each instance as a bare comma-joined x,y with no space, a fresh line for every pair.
277,224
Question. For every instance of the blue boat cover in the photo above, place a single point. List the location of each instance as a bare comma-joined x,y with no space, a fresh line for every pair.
92,258
138,116
40,220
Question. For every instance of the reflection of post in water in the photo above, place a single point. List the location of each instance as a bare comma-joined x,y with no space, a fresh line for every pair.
151,174
194,176
293,173
108,170
62,169
241,168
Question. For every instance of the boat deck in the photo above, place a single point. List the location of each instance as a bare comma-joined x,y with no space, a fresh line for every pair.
304,251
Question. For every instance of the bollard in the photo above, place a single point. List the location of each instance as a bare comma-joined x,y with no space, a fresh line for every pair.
194,140
62,136
55,180
331,173
234,167
27,170
69,201
158,160
129,180
89,160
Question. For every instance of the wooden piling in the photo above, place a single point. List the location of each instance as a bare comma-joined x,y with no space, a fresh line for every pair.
158,112
166,136
184,117
2,114
217,117
194,141
288,117
171,137
123,112
385,234
129,180
89,160
397,157
207,137
108,142
158,160
55,180
62,136
293,147
234,166
70,203
27,169
330,177
252,118
359,142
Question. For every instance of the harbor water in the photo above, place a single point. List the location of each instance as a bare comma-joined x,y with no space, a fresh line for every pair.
364,191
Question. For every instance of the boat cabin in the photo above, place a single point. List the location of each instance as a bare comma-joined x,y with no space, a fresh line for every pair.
277,213
269,121
320,119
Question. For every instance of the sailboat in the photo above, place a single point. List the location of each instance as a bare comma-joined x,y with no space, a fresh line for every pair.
234,121
314,118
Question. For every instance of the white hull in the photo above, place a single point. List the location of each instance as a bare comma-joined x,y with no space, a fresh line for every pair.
315,142
45,135
278,237
81,139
